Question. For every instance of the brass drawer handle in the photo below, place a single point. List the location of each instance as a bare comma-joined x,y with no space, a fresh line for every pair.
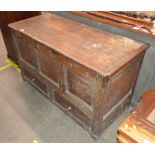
69,108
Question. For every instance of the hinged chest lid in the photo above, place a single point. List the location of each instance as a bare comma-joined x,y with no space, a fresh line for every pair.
98,50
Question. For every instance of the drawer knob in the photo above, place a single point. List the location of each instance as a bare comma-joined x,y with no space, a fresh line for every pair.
69,108
33,80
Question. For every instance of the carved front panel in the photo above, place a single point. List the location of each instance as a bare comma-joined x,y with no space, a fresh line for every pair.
49,67
81,87
27,53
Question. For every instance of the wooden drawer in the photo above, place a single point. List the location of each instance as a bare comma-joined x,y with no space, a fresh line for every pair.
77,109
35,80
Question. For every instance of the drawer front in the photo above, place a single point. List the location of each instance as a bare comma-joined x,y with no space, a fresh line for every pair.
35,80
79,113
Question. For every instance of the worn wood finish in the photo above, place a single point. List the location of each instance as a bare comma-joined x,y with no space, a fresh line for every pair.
130,132
145,113
139,127
7,17
90,74
123,139
123,21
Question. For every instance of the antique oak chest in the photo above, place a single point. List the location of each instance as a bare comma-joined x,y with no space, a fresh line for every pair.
90,74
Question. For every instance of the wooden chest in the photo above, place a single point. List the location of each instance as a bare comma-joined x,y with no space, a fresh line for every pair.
89,73
139,127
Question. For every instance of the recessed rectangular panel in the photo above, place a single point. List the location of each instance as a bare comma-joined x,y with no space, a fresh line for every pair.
27,53
81,87
49,67
119,86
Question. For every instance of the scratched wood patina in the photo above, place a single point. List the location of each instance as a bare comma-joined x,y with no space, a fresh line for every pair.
139,127
90,74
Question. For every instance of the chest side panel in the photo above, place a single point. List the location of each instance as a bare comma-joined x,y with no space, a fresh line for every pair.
121,85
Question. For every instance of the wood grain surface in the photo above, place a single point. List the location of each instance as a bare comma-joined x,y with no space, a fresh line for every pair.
99,50
90,74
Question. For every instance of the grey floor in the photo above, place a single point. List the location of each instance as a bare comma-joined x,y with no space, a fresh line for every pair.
26,115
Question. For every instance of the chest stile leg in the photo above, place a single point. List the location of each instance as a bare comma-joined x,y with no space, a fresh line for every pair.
97,113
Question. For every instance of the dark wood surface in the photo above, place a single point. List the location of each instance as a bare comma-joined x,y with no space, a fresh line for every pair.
60,59
7,17
96,49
